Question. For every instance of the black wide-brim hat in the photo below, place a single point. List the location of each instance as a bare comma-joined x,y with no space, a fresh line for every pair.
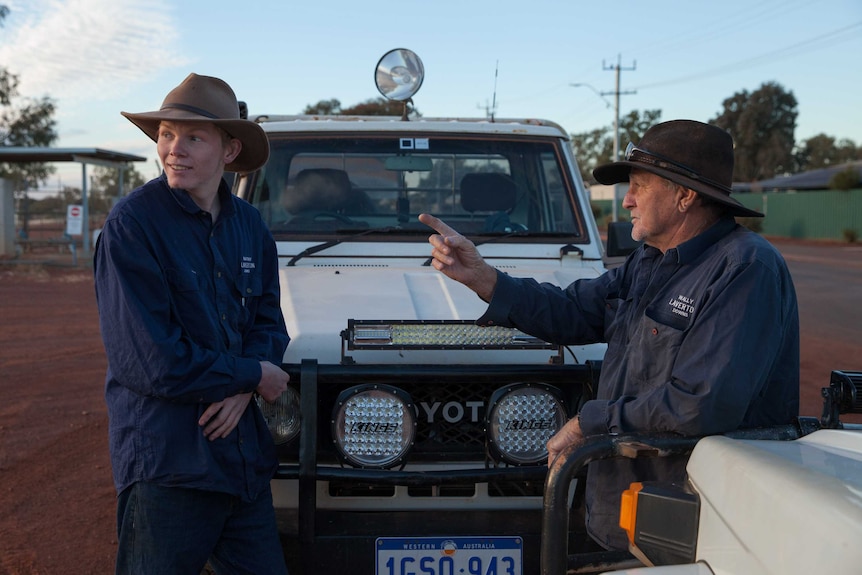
208,99
693,154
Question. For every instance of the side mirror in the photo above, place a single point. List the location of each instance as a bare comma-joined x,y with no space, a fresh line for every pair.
620,242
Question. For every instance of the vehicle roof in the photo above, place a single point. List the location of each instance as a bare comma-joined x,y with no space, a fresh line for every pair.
506,126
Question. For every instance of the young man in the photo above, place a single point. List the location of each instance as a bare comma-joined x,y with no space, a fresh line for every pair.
188,296
701,321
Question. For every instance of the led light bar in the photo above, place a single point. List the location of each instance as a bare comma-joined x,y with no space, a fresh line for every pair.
435,334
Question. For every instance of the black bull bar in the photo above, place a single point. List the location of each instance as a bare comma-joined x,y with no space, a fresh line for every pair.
555,559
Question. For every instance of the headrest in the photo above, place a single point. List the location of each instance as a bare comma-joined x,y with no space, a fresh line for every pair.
325,189
490,192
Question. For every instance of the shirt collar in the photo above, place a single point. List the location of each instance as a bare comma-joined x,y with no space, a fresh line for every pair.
690,250
186,202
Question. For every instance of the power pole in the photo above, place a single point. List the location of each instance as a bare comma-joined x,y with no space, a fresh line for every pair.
616,93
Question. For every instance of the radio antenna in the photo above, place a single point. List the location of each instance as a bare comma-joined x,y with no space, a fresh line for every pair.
492,109
494,99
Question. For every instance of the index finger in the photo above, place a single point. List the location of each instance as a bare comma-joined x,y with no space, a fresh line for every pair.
209,413
438,225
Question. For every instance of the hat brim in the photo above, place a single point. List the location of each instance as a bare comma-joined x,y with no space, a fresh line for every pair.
255,145
618,172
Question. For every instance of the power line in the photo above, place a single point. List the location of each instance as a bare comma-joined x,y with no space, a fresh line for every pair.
828,39
752,16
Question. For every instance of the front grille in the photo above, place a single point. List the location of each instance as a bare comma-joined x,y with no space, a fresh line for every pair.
459,440
462,435
456,395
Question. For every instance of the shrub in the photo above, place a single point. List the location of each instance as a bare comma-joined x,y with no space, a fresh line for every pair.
753,224
845,179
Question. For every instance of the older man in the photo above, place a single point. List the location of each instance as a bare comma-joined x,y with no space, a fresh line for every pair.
701,321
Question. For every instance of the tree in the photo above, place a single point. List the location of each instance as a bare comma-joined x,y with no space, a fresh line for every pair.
28,123
105,185
373,107
762,125
597,147
821,151
324,108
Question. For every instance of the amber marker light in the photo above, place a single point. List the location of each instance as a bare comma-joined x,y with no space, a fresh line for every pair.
628,510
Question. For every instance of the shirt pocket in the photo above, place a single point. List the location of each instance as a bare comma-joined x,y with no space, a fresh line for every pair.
653,351
249,287
185,289
182,280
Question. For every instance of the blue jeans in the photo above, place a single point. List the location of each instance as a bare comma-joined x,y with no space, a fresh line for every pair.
172,530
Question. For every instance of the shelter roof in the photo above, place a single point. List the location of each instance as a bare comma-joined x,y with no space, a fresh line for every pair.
24,154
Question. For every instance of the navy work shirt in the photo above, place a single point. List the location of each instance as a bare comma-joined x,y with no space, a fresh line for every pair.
701,339
187,309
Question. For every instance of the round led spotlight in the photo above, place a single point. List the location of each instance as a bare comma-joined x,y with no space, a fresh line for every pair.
282,416
373,425
521,419
399,74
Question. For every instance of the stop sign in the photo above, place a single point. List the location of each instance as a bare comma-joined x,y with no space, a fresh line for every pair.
74,220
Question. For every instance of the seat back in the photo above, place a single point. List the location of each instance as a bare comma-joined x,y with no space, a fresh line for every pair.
318,189
487,192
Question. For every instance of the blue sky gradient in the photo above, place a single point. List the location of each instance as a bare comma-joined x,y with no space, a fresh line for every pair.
98,57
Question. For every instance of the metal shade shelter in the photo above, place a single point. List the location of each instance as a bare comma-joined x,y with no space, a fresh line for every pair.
98,156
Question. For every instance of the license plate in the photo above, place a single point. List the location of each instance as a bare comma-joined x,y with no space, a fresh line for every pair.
449,556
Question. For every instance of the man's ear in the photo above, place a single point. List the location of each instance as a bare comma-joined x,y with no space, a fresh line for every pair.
686,199
232,150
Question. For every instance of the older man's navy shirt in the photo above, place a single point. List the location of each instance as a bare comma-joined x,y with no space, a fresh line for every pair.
701,339
188,308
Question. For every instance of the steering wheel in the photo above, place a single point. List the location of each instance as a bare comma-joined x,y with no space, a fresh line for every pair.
323,215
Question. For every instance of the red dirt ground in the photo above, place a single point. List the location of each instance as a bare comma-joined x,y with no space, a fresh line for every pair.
57,501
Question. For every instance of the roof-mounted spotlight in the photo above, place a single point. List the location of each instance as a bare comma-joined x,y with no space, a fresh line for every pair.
399,75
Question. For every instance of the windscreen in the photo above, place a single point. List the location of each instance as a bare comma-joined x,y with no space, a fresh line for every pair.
347,184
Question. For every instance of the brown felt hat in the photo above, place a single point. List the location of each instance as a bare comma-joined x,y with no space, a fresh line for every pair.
208,99
693,154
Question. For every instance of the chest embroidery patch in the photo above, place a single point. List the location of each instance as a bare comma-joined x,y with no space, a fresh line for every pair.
247,264
682,305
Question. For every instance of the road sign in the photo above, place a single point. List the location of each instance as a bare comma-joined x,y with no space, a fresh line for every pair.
74,220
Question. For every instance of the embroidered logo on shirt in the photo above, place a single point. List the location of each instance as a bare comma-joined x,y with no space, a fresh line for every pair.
247,264
682,305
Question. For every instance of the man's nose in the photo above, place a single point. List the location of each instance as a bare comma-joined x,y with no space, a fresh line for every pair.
628,200
176,148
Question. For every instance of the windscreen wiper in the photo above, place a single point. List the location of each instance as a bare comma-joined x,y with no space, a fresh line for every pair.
489,240
326,245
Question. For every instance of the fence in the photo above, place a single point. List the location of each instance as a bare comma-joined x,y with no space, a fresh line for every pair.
822,214
47,231
826,215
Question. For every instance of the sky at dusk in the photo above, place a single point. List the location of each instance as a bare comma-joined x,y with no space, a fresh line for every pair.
95,58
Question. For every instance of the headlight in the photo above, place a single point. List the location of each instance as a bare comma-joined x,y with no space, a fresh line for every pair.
373,425
282,416
521,419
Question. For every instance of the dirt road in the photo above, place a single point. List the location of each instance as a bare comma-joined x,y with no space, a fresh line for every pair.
56,496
